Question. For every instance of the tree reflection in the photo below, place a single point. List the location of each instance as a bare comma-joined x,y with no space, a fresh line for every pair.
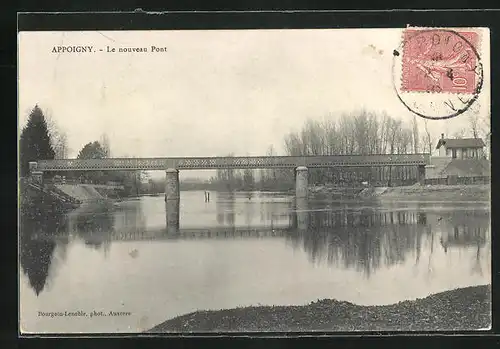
366,239
362,239
93,225
475,235
225,203
36,245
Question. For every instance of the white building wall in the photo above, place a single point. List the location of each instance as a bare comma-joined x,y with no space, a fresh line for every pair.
442,152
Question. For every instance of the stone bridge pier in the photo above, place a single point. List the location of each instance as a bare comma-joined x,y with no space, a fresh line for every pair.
172,200
301,182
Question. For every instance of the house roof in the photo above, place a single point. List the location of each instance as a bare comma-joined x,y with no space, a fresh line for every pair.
460,143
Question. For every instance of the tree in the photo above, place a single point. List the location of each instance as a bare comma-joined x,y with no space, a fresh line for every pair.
459,134
34,143
248,179
485,127
92,150
358,133
104,141
58,138
61,146
427,139
415,135
474,124
227,177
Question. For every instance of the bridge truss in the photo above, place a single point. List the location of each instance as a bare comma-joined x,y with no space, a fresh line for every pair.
236,162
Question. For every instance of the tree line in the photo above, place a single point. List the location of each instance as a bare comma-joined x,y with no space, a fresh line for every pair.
361,132
42,139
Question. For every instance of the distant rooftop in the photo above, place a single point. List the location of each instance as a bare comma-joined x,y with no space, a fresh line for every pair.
461,143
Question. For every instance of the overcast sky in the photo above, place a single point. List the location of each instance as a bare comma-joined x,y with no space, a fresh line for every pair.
212,92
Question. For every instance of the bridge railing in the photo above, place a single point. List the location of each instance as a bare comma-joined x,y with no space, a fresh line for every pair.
232,162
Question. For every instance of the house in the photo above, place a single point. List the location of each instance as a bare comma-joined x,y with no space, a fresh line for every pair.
461,148
461,157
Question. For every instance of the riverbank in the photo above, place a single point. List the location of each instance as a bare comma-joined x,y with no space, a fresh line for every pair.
64,198
80,192
460,309
472,192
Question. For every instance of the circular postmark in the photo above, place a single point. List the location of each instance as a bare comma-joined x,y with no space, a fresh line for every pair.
437,73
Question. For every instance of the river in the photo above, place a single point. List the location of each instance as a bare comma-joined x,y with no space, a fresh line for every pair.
237,250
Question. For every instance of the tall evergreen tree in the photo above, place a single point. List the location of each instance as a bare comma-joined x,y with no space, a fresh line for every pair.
35,141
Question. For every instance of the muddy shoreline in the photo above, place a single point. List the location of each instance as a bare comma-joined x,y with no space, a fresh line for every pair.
466,308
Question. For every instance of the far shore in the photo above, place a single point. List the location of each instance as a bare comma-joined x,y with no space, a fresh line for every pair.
466,308
417,192
471,193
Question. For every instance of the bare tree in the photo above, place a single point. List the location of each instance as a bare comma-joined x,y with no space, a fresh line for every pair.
227,176
61,146
361,132
403,141
484,125
474,124
415,135
394,128
104,141
427,138
459,134
271,174
58,138
293,144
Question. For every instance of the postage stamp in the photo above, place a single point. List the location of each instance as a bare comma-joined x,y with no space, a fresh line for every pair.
438,72
440,61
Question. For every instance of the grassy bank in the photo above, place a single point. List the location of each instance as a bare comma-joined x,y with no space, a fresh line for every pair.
472,192
459,309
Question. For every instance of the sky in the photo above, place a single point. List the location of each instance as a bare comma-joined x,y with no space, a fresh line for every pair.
212,92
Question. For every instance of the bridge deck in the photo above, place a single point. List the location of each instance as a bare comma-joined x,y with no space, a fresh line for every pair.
236,162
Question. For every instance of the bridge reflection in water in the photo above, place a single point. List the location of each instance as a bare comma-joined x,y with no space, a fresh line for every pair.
342,235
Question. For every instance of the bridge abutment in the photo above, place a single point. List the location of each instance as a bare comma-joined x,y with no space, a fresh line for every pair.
301,182
35,176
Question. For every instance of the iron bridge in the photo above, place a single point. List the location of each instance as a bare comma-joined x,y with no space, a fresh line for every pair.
233,162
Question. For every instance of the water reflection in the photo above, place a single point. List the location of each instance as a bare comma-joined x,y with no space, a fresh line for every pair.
36,254
473,235
225,204
93,225
346,236
43,231
367,239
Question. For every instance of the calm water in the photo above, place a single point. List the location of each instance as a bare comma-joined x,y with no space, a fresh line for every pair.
267,251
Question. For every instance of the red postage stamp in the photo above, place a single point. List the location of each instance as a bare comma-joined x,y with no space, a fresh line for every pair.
437,60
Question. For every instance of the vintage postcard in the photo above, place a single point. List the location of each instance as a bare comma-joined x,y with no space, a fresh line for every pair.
200,181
